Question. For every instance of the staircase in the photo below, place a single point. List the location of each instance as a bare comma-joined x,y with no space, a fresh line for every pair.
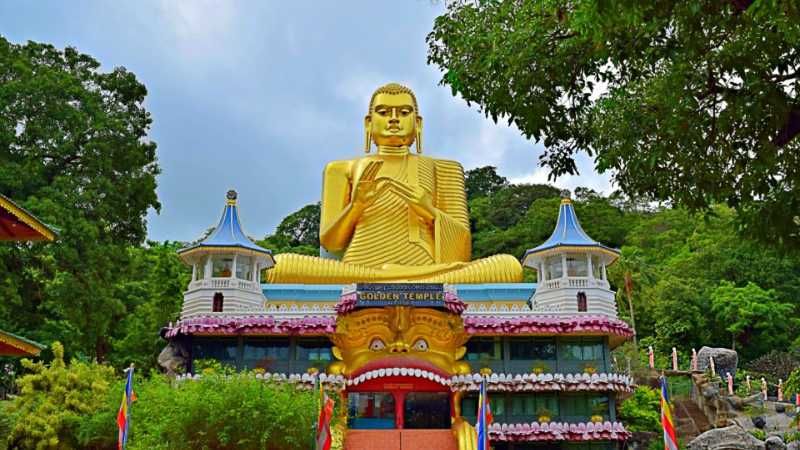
690,421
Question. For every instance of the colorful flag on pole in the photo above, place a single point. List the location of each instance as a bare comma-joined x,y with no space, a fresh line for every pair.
324,420
123,416
484,418
670,440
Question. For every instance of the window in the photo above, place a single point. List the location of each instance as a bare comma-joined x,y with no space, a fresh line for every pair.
313,350
217,302
582,302
576,265
264,352
370,410
580,407
597,269
480,349
533,348
526,408
222,267
553,267
244,270
585,350
426,410
224,350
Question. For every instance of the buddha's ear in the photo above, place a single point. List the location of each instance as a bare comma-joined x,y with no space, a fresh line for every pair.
337,353
418,138
367,133
460,352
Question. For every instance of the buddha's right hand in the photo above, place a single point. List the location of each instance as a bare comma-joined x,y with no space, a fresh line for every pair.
367,188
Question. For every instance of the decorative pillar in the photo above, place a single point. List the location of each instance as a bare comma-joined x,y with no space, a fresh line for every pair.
194,272
712,366
233,267
605,277
780,390
694,360
589,271
674,359
563,265
208,270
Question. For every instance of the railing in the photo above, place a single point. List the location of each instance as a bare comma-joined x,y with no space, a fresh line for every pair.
575,282
223,283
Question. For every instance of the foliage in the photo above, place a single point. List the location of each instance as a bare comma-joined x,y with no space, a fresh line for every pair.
642,410
758,433
691,102
793,383
235,411
297,233
6,423
483,182
52,400
777,364
74,151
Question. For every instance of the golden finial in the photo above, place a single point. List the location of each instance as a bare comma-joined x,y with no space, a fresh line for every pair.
231,196
565,194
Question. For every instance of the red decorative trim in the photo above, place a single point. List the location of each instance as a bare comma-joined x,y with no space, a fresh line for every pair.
493,325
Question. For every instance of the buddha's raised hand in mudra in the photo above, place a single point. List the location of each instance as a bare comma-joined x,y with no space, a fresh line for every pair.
394,215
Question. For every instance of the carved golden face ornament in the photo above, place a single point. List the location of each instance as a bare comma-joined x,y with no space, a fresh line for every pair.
399,337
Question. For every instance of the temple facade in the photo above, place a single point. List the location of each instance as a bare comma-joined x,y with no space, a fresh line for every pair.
398,320
543,347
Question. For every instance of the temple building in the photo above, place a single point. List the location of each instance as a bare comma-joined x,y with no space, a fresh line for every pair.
396,318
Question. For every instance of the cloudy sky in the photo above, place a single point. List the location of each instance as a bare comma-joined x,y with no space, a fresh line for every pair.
257,96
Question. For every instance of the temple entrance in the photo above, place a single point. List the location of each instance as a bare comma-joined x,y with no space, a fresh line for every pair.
426,410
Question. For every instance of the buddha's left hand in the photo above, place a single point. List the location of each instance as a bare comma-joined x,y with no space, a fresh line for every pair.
421,200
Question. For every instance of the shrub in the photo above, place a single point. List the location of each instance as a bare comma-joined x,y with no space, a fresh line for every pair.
642,410
775,365
52,400
219,411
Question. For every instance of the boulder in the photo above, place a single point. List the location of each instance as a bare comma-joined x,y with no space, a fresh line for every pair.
780,408
759,422
733,437
174,358
774,443
794,445
725,360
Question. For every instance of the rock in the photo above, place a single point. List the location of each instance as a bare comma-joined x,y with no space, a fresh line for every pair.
780,408
759,422
794,445
174,358
725,360
710,391
733,437
774,443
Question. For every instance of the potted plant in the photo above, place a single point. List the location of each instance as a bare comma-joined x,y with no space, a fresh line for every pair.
544,415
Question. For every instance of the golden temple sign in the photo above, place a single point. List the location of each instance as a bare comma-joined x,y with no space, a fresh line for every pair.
378,295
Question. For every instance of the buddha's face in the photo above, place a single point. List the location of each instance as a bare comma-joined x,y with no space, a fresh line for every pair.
399,337
393,120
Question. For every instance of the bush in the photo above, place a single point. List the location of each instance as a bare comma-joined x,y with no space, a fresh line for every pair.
52,400
775,365
219,411
642,410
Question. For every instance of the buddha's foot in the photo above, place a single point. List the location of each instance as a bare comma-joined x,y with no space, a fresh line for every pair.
294,268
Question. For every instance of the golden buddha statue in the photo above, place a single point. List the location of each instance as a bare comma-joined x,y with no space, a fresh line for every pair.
394,216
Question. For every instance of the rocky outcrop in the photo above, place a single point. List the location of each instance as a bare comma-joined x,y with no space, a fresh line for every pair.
728,438
174,358
725,360
774,443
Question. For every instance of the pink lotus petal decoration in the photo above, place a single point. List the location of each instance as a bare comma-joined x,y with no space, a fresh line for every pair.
253,325
582,382
559,431
546,325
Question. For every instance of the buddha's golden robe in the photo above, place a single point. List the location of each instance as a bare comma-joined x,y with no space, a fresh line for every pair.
391,241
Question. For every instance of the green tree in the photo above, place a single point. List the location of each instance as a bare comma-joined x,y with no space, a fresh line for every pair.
52,400
74,151
641,411
692,102
751,312
483,181
297,233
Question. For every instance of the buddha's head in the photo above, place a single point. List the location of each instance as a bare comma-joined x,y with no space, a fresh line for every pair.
393,118
399,337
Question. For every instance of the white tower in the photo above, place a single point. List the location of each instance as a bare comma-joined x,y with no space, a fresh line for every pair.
571,269
226,269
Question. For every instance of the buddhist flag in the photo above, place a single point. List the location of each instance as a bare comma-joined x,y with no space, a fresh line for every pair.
123,416
670,441
484,418
324,421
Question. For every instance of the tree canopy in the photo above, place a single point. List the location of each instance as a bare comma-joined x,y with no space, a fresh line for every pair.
694,103
74,151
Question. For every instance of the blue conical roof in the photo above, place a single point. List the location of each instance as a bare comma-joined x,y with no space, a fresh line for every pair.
228,232
568,233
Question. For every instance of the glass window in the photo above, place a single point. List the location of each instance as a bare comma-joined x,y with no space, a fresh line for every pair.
576,265
370,410
244,270
597,269
426,410
222,267
533,348
264,353
599,405
224,350
587,350
553,267
313,350
480,349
